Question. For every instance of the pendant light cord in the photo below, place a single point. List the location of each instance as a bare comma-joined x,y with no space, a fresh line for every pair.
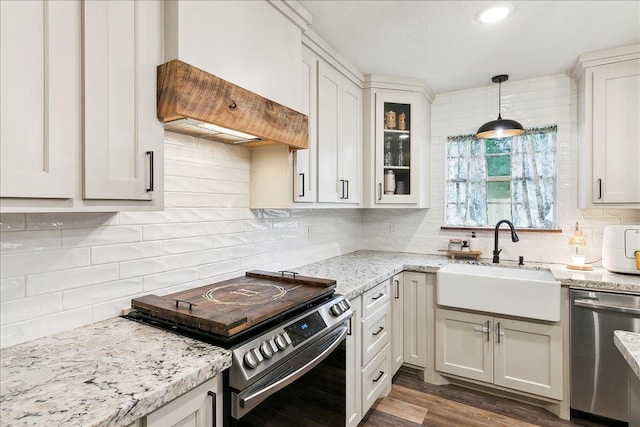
499,100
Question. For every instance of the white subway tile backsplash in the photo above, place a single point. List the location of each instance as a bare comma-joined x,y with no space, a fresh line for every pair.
32,263
169,231
12,288
16,333
29,241
170,278
45,283
101,236
193,244
125,252
87,296
232,267
30,308
161,217
217,214
192,259
150,266
40,221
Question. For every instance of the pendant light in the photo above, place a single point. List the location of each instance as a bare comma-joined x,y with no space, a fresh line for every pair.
500,128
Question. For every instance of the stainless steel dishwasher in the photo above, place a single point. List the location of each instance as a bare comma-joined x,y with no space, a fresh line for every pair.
599,373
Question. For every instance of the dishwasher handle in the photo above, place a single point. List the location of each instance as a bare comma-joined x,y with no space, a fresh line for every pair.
607,307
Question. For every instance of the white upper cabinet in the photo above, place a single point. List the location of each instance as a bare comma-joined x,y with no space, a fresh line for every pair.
123,139
609,128
339,137
305,161
39,98
78,117
396,149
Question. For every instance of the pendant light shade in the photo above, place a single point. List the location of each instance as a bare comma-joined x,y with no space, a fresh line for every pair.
500,128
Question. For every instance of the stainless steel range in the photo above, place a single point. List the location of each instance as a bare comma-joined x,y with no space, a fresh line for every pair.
287,335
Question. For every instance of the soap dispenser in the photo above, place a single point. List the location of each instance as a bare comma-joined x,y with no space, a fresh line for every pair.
474,242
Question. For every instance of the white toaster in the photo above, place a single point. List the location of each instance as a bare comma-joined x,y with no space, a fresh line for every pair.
621,248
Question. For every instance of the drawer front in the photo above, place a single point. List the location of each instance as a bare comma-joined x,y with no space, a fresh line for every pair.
376,332
376,378
376,297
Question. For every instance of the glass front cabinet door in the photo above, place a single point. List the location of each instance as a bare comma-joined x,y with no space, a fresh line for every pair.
400,148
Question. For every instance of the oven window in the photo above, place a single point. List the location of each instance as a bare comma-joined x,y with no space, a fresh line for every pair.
316,399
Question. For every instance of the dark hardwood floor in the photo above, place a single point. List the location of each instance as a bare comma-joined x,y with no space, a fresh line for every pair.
414,403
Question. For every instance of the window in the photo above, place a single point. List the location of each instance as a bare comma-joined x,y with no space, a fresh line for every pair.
512,178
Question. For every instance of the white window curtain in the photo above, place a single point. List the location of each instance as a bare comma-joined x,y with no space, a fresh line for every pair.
467,181
533,180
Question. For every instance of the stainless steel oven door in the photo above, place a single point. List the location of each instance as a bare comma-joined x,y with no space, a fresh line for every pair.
314,377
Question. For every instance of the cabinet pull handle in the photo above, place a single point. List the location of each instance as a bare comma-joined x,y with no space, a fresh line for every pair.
380,375
213,408
599,188
347,181
342,188
484,329
379,191
380,295
397,283
376,333
498,332
150,154
349,329
302,186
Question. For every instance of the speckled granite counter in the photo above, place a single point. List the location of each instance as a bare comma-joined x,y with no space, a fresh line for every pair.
362,270
106,374
629,345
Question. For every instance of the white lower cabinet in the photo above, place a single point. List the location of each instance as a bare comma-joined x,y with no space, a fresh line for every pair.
397,327
518,355
376,349
354,366
414,318
193,409
376,378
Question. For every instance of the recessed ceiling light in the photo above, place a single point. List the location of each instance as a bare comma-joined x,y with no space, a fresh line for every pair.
495,13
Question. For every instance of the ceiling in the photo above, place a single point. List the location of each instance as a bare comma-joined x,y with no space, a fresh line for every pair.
441,42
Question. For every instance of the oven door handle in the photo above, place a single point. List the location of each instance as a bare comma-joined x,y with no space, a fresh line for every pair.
250,399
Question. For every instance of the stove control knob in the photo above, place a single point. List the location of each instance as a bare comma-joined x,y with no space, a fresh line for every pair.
336,310
252,358
283,341
344,304
266,350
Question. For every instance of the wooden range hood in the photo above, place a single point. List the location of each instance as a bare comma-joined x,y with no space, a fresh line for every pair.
190,99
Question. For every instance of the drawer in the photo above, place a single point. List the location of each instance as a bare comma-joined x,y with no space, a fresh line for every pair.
376,332
376,378
375,297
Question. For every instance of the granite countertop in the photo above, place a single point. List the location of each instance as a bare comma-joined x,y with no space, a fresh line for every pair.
360,271
106,374
117,371
629,345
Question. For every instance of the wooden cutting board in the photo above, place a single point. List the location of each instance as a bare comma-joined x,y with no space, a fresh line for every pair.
229,307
